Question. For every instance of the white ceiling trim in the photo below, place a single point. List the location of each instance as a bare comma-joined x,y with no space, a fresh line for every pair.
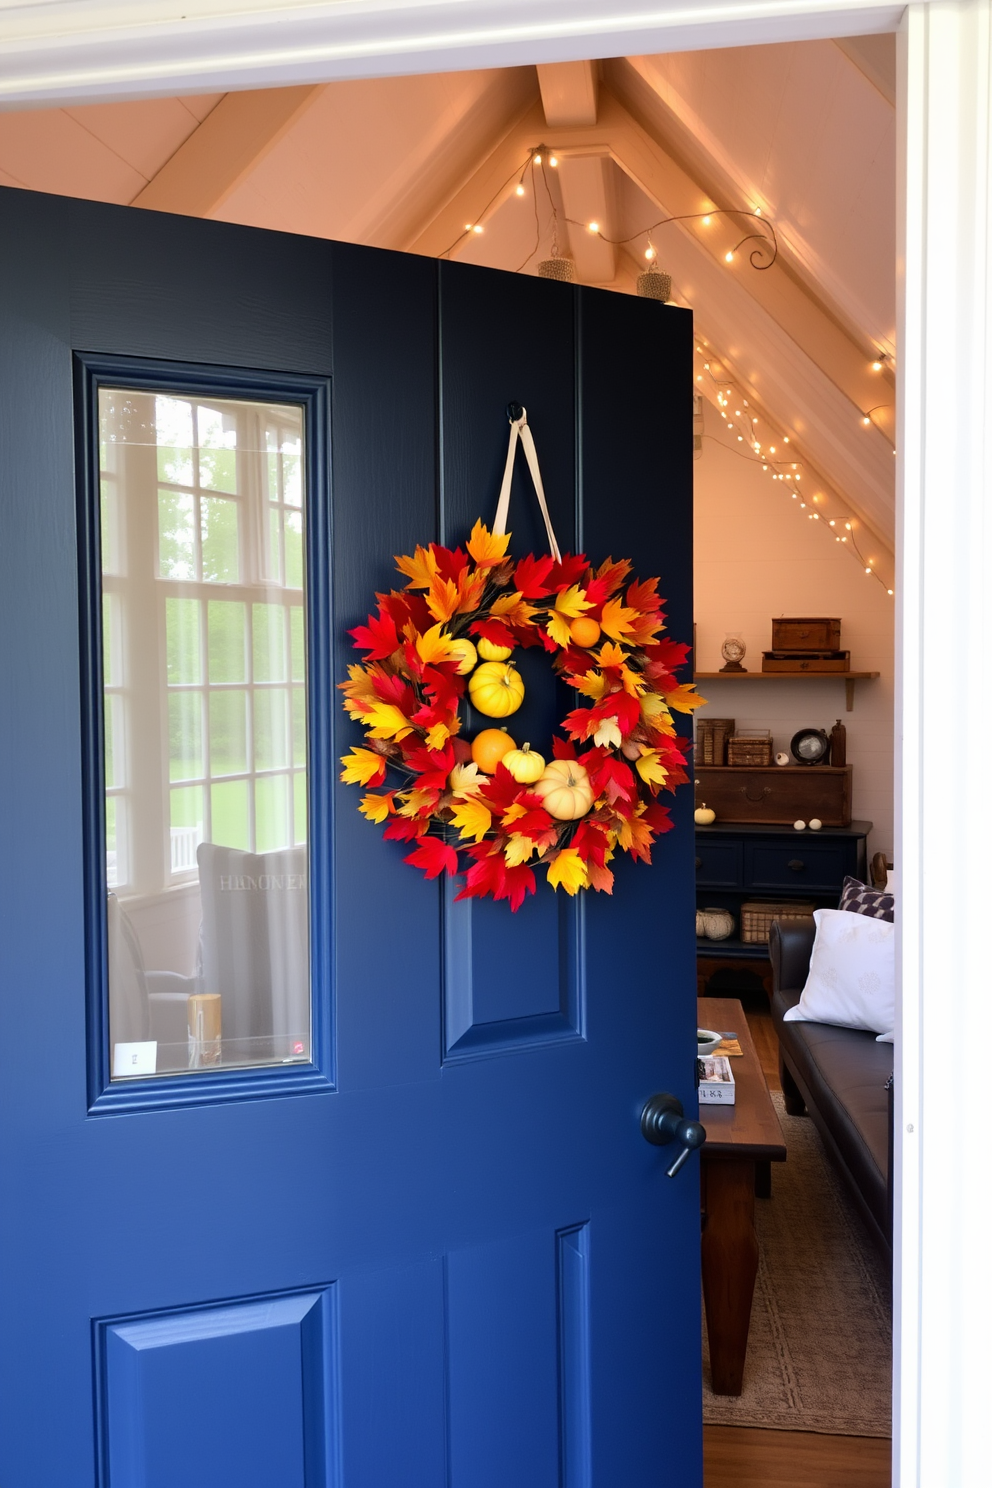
56,51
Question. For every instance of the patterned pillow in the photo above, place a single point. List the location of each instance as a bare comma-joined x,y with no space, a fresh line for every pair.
858,898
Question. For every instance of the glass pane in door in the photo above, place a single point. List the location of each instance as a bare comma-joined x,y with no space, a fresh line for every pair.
203,521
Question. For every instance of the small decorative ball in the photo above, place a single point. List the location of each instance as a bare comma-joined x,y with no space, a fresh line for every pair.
800,826
584,632
489,747
815,823
467,654
489,651
781,758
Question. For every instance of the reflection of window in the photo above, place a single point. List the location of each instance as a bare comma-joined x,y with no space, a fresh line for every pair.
225,552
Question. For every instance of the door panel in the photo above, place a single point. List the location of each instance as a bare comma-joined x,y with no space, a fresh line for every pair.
440,1255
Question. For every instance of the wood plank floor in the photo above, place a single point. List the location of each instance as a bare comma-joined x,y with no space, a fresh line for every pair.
743,1457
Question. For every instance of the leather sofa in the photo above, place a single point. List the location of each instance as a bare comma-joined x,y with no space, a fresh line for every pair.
841,1077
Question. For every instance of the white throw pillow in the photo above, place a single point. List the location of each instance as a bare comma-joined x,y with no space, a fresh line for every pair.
852,974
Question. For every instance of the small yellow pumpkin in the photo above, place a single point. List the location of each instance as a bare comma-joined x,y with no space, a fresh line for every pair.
466,653
489,651
566,789
703,815
497,690
525,765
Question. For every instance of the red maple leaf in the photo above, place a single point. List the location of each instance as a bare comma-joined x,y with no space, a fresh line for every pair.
450,561
530,575
434,856
569,571
379,637
495,631
643,595
563,749
518,883
486,876
590,842
658,817
502,790
613,574
404,829
532,822
614,779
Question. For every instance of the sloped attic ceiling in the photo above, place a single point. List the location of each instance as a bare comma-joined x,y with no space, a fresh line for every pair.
805,132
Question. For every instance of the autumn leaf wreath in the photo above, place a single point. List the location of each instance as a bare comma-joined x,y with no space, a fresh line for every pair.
453,629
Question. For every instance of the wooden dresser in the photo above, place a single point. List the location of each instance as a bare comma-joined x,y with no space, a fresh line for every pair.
737,861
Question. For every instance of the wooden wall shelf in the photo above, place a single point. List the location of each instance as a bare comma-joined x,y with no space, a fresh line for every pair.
848,678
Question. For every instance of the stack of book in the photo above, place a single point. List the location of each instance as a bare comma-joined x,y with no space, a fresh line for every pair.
711,740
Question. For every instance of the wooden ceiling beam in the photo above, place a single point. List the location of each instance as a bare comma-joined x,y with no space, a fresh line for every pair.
569,92
221,152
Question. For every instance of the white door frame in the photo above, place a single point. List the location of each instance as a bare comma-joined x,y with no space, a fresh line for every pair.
78,50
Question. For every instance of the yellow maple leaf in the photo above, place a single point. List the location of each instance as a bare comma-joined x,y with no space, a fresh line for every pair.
513,608
617,619
442,598
385,721
650,768
558,630
568,870
611,655
572,602
472,819
438,736
485,547
608,734
420,569
654,712
465,780
512,813
684,698
376,808
415,800
518,849
360,766
592,685
435,645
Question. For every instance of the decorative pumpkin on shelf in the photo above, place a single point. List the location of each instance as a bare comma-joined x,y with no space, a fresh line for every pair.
496,689
525,765
703,815
565,789
489,651
491,746
463,648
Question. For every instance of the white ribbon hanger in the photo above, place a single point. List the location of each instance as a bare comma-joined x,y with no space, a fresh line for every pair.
519,429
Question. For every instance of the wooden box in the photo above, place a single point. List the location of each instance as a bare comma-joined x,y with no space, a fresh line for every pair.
805,634
805,661
777,796
753,747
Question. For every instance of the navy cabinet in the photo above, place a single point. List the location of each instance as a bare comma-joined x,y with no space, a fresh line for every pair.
736,861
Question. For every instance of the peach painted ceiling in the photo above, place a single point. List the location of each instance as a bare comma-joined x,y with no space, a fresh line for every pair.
804,131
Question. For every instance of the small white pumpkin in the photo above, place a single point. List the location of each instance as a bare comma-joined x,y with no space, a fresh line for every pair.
566,790
703,815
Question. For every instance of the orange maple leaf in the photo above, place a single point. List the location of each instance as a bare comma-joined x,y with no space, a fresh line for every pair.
485,547
420,569
442,598
617,619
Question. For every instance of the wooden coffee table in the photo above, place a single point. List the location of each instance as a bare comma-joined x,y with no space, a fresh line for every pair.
741,1140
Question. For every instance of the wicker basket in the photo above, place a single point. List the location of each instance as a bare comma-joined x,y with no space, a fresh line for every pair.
757,916
750,747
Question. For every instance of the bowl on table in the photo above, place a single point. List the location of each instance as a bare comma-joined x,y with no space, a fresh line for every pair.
707,1042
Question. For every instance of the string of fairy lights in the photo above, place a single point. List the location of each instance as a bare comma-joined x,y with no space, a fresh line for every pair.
773,453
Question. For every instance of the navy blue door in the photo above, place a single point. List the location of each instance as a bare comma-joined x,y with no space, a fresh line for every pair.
417,1240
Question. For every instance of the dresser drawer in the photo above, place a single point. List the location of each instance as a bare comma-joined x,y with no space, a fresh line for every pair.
803,864
719,865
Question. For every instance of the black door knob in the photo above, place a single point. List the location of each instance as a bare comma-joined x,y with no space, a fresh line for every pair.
664,1121
797,865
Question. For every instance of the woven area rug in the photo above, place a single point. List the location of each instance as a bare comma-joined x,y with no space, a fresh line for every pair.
819,1351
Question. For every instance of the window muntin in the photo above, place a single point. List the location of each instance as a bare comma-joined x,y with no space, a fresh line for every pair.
205,728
